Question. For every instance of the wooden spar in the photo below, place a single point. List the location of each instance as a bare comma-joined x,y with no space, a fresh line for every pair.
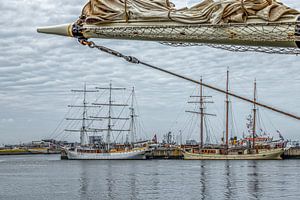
281,36
227,108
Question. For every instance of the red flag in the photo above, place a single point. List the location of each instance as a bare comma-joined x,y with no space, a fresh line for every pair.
154,139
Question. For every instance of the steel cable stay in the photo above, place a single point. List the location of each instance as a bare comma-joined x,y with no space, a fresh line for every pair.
71,125
135,60
53,132
141,125
179,114
119,115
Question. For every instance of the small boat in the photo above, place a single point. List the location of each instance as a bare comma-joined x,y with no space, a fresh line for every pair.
39,150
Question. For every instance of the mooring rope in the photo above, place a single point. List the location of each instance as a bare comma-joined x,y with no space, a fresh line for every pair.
135,60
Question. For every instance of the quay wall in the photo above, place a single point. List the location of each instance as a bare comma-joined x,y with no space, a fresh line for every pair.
291,153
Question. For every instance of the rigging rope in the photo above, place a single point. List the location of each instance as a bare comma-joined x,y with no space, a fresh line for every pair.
135,60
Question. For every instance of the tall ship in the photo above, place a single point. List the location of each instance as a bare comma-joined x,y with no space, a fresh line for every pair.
98,148
228,151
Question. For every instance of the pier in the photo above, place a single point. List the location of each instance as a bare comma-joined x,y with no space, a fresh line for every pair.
165,153
292,153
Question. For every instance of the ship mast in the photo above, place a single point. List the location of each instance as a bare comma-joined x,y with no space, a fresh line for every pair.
109,118
201,112
201,115
83,130
254,117
132,116
227,109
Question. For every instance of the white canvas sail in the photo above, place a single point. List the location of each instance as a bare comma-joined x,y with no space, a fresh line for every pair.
206,11
242,23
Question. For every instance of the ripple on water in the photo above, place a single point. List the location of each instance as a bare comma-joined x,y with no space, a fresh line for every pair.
46,176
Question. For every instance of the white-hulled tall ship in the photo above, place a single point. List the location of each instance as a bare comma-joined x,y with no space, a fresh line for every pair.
106,150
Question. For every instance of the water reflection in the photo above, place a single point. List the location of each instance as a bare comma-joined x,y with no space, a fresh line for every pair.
229,179
94,183
110,181
133,182
253,180
203,181
154,180
145,180
83,181
76,180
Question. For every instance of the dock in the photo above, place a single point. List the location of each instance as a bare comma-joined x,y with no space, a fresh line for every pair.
8,152
292,153
165,153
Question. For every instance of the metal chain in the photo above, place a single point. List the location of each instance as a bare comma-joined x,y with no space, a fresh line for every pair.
92,45
134,60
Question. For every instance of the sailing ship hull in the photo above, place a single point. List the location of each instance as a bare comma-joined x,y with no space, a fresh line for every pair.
127,155
274,154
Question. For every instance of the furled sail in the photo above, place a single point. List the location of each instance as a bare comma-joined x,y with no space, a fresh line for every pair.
237,25
207,11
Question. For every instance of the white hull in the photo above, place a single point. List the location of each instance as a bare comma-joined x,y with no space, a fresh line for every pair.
138,154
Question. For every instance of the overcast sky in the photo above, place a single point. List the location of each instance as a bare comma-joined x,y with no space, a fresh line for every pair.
38,71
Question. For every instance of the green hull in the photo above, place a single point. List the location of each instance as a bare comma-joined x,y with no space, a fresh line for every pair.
274,154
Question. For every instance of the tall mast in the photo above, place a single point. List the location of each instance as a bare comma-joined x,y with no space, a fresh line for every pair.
227,108
109,117
201,115
132,115
254,117
83,130
201,112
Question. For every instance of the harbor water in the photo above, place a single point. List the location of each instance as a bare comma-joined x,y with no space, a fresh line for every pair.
39,177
